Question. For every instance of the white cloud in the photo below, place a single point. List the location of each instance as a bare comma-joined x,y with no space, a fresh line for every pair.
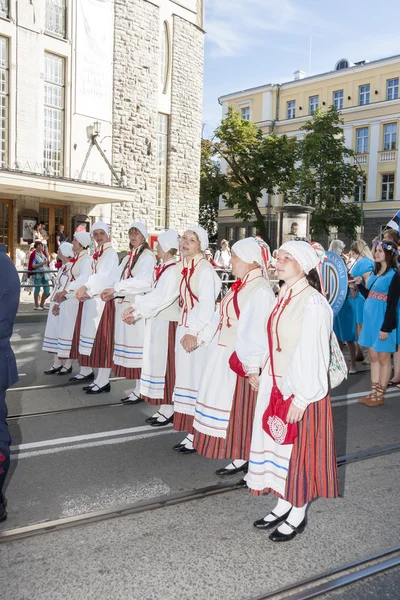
235,26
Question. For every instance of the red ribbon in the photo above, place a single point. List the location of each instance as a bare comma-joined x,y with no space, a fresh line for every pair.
236,285
73,260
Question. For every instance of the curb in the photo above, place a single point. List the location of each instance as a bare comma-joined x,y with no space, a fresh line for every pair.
31,318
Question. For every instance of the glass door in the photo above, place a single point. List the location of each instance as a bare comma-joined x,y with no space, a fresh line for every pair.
53,217
6,225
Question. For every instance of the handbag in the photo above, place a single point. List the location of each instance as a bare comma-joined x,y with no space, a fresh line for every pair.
274,420
338,369
234,363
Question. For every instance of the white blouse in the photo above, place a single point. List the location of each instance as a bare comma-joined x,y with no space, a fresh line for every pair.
142,279
161,297
203,311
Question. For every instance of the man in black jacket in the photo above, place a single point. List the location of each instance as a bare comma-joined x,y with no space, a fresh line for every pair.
9,300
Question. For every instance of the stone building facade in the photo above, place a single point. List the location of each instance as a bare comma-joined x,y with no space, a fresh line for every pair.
103,115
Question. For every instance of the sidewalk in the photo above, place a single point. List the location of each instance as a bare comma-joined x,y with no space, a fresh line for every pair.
25,313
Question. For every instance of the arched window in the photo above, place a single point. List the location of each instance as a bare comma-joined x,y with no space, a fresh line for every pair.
165,57
342,64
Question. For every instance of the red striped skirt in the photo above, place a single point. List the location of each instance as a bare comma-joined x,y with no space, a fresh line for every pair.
101,356
236,445
183,422
169,371
120,371
77,333
312,466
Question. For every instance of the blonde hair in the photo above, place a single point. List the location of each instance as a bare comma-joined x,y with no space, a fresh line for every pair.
53,256
360,247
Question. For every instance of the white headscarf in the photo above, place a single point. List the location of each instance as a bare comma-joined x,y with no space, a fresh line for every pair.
201,234
303,253
169,239
140,227
67,250
101,225
253,250
83,238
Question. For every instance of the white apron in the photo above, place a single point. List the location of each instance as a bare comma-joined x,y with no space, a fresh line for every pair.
53,324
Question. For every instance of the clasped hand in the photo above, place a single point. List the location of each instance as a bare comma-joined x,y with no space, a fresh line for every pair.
107,294
189,342
128,316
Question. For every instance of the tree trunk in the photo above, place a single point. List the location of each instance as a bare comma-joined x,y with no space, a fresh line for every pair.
261,224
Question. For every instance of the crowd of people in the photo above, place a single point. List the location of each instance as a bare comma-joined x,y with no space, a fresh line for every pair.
246,379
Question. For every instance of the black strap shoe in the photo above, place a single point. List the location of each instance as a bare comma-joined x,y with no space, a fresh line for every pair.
157,423
224,471
261,524
65,371
185,450
82,378
128,399
277,536
153,418
95,389
53,370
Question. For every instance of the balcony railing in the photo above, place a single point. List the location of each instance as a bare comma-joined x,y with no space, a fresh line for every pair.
4,8
387,156
55,17
361,159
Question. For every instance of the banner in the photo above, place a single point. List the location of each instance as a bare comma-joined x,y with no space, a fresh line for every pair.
395,222
334,275
94,58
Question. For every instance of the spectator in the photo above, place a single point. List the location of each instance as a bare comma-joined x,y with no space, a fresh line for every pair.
60,236
209,257
223,256
38,264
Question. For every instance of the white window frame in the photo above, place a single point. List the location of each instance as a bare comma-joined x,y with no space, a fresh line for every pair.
245,113
362,140
54,114
392,89
4,100
389,137
387,187
162,170
291,109
364,94
165,57
313,104
56,17
338,99
4,8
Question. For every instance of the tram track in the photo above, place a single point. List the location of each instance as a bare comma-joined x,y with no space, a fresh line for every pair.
161,501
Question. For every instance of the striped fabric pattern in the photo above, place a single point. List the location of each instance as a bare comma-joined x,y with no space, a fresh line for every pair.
50,344
127,372
238,435
101,356
183,422
74,354
168,382
312,470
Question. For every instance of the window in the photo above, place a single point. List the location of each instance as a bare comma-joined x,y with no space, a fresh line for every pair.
3,101
253,231
162,171
362,140
338,99
360,190
165,58
387,187
364,94
342,64
390,136
291,109
314,101
53,159
55,17
246,113
392,89
229,234
241,233
4,8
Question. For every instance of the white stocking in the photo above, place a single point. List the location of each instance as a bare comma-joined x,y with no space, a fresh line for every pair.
280,509
188,441
295,518
167,410
85,371
57,363
236,464
68,363
103,377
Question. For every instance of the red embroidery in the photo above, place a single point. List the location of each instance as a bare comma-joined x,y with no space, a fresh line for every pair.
159,270
378,296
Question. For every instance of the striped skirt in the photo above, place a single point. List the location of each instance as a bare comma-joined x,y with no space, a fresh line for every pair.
74,354
183,422
120,371
236,445
169,371
312,466
101,356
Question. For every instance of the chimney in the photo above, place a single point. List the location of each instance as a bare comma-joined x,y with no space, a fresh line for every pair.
299,75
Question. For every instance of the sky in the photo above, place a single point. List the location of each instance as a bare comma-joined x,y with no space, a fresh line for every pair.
255,42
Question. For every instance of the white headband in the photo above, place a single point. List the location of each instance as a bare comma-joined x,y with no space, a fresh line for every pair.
252,250
168,240
201,234
140,227
102,226
303,253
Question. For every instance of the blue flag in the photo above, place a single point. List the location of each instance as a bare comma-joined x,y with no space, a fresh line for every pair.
395,222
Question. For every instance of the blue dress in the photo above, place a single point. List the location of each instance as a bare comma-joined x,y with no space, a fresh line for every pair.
344,323
361,266
375,313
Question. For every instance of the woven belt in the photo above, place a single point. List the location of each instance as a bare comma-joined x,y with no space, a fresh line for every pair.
378,296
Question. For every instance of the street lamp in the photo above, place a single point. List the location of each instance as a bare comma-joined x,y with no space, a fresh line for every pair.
96,128
361,201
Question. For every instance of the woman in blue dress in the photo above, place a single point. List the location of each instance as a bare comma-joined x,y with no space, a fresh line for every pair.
362,266
379,332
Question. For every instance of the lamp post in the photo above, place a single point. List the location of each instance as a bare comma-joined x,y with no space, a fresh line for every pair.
361,201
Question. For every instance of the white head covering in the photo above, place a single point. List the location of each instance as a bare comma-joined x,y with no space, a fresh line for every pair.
253,250
101,225
83,238
303,253
169,239
141,227
208,252
67,250
201,234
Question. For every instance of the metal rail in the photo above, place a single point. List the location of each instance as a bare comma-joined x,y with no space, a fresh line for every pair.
155,503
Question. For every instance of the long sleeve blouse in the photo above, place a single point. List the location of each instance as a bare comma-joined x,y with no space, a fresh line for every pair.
141,282
84,274
161,297
105,276
203,310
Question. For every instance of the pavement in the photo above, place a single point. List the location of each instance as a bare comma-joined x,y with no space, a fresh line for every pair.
102,456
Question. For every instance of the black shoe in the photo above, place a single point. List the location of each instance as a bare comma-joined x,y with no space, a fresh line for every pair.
53,371
99,390
150,419
81,379
185,450
87,387
224,471
66,372
157,423
277,536
242,483
128,400
261,524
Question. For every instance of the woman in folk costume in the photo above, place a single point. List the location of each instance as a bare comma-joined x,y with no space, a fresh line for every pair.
52,340
96,335
379,332
198,286
293,455
134,276
161,310
226,402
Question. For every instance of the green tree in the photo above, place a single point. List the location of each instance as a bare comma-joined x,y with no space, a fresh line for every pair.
326,176
211,188
256,163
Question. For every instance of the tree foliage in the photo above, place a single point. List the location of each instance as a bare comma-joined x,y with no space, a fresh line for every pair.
211,188
325,175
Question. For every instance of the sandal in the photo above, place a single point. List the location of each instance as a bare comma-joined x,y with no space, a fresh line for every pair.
379,397
370,396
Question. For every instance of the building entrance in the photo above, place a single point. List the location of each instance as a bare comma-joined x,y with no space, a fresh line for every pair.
53,216
6,222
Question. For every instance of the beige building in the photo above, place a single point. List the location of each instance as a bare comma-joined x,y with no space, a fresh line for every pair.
100,115
367,95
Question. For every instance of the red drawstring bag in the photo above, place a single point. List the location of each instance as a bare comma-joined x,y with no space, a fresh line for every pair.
274,421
